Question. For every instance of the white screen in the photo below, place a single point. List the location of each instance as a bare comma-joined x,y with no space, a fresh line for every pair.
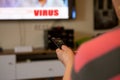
33,9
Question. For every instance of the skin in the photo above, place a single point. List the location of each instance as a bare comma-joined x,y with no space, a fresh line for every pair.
66,55
42,2
116,4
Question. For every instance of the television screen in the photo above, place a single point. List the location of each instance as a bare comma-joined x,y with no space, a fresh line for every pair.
37,9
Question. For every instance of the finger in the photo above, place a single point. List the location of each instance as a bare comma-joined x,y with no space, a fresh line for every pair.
65,48
59,51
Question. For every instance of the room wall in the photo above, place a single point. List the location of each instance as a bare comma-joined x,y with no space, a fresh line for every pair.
30,33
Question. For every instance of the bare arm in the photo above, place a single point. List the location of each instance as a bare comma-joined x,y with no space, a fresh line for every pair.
66,56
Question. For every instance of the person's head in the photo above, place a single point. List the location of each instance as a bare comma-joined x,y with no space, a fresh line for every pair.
116,4
42,2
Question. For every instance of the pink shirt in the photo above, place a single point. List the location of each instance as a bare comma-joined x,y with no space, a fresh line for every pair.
99,57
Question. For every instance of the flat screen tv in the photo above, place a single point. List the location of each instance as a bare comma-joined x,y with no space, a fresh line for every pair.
37,9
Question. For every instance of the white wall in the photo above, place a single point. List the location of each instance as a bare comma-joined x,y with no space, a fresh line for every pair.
17,33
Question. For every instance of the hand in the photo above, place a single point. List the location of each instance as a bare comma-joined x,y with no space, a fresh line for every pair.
65,55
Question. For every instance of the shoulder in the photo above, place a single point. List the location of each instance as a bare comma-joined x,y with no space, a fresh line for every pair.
59,3
97,47
110,38
95,56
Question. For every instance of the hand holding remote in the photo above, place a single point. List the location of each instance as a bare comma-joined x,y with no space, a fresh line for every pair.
57,41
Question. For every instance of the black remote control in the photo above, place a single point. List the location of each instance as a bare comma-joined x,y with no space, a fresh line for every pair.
57,41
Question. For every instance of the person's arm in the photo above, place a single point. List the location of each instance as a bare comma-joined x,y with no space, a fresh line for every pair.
66,56
67,73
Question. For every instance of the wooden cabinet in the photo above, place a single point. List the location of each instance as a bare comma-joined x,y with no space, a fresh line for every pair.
7,67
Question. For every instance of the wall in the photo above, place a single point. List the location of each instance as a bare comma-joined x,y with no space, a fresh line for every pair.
30,33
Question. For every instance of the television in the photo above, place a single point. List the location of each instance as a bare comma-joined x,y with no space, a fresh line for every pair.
37,9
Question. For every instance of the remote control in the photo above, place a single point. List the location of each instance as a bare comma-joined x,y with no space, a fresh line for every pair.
58,42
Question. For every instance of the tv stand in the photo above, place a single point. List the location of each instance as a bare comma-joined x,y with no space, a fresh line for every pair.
36,57
30,65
